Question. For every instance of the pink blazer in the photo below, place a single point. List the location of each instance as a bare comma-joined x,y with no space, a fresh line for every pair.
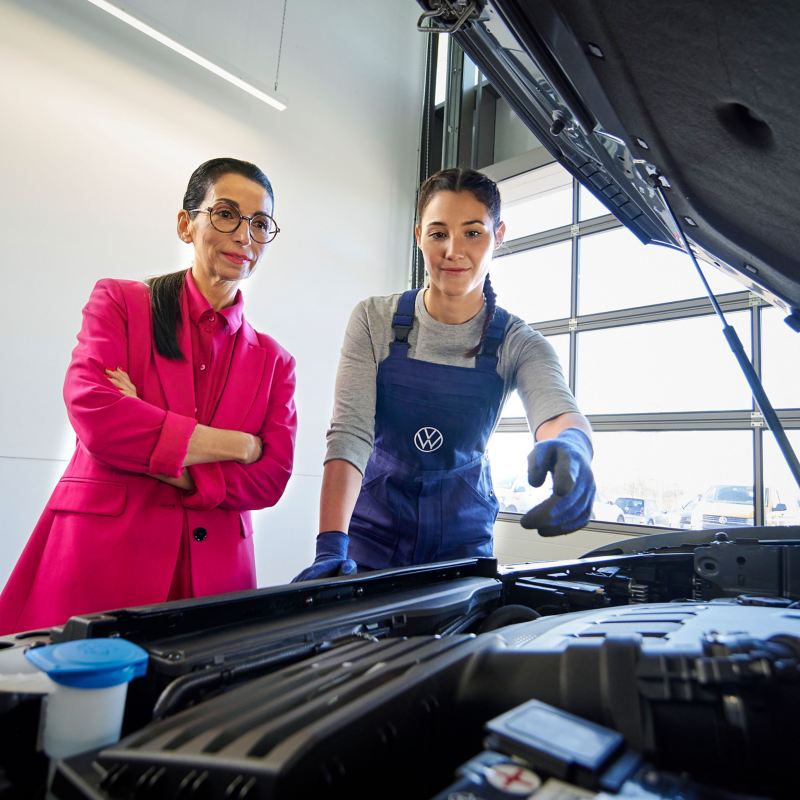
110,534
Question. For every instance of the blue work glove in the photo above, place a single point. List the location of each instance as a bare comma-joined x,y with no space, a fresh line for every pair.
331,558
568,457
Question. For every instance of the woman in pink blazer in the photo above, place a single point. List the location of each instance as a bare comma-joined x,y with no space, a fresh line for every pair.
185,422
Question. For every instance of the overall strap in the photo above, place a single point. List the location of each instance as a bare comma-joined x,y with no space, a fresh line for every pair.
487,358
402,322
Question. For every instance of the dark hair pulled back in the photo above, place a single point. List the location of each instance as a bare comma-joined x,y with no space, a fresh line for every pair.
461,180
165,290
485,191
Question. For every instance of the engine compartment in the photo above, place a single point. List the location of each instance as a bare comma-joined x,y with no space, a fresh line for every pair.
673,672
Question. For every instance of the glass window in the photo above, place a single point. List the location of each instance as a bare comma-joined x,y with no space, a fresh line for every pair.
590,206
534,284
513,406
779,358
508,455
536,201
440,90
782,495
511,136
618,271
657,478
561,346
471,74
678,365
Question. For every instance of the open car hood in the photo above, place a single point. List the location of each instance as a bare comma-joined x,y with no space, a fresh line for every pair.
703,94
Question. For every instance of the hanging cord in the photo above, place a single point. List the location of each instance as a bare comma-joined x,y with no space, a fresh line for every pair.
762,401
280,44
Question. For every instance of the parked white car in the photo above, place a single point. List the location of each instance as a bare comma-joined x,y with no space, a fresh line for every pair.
641,511
607,510
728,505
518,496
681,517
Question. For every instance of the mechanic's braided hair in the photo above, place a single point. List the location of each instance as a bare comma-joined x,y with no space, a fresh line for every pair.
485,190
165,290
491,306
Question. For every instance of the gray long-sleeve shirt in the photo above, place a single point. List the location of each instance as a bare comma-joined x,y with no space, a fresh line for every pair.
527,363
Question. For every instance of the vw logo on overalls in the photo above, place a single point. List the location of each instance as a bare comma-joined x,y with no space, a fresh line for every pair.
428,439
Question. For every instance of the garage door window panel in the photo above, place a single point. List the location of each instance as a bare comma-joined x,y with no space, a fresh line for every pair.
678,365
617,271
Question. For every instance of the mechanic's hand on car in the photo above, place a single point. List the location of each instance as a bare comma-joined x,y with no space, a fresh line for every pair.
331,558
568,456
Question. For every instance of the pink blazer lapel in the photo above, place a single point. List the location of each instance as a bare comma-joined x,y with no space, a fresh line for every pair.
244,379
177,377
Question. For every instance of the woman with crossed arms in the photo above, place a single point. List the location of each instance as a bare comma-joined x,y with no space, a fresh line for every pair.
185,422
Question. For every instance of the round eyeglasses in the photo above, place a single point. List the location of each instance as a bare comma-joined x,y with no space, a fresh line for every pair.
227,219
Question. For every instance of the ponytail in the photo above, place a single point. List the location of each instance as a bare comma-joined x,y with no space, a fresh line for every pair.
491,307
165,302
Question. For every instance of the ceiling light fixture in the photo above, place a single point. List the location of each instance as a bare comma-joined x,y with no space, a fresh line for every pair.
110,8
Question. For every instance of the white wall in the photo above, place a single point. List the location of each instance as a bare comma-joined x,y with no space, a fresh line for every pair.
101,129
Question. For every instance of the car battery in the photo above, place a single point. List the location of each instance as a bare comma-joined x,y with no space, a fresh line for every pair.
538,751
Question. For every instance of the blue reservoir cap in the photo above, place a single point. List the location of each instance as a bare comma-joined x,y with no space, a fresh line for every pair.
90,663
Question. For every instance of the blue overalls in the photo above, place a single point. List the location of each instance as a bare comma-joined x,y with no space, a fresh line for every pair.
427,490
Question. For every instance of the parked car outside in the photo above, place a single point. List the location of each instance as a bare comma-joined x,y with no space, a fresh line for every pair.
729,505
518,496
681,517
641,511
607,510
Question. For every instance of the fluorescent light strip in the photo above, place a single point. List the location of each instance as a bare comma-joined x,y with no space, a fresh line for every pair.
187,53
